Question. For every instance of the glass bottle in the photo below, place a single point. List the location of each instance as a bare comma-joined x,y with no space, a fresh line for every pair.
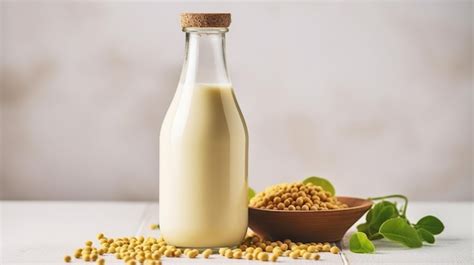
204,145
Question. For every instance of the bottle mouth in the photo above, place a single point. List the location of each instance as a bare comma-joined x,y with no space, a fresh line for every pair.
206,29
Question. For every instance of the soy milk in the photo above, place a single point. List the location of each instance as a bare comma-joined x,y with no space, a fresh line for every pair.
203,168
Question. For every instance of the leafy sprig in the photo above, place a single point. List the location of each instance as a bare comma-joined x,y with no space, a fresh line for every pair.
385,220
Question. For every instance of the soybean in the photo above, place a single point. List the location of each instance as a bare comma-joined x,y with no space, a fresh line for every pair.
334,250
263,256
193,253
206,253
237,255
294,255
222,251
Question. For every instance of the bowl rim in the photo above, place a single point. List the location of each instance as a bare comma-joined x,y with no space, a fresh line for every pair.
366,204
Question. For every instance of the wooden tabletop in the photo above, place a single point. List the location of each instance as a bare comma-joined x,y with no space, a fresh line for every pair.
37,232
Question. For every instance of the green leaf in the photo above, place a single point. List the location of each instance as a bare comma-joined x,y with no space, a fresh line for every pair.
431,224
383,211
379,213
425,235
398,230
322,182
368,216
363,228
359,243
251,193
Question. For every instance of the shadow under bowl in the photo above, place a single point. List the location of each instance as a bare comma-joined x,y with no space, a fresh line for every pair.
308,226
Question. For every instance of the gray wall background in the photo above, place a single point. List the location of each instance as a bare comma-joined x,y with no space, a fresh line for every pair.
375,95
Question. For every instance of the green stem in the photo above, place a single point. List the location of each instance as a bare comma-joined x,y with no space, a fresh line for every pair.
394,196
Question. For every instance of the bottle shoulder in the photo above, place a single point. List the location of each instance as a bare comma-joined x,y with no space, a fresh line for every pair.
205,110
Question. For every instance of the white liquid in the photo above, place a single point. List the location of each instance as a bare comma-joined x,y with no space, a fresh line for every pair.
203,168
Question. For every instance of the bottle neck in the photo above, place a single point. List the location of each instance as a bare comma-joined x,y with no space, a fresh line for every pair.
205,60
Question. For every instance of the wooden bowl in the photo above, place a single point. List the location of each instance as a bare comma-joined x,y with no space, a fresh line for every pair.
308,226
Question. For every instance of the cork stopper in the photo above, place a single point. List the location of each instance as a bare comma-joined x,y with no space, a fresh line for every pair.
205,20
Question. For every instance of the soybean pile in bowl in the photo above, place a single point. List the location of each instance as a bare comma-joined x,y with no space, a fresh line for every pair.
303,212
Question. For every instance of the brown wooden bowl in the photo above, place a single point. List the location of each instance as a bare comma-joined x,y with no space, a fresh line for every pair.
308,226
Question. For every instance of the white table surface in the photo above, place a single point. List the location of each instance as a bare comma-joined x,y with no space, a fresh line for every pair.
36,232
